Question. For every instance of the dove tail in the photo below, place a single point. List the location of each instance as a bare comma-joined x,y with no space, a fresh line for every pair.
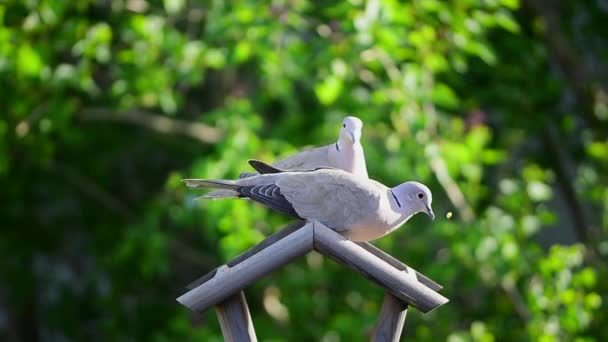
211,184
227,188
222,194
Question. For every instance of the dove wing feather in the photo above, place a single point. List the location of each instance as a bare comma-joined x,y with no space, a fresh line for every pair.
309,159
269,195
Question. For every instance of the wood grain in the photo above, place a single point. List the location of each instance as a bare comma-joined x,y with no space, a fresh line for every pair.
391,319
399,265
402,286
235,320
233,279
288,229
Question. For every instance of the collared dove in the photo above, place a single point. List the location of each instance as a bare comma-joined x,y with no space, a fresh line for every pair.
346,153
361,209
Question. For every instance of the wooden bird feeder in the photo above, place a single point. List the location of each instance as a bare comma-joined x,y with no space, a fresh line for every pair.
223,287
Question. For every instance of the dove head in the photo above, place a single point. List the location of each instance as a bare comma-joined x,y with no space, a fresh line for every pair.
350,132
413,197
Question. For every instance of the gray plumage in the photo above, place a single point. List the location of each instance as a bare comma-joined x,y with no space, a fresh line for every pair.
346,153
359,208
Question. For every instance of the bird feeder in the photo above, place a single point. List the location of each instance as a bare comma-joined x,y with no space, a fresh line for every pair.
223,287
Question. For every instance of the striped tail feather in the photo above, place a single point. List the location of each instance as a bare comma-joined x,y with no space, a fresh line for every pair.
211,184
227,188
222,194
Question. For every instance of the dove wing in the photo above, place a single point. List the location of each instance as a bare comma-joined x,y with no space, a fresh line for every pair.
335,198
269,195
309,159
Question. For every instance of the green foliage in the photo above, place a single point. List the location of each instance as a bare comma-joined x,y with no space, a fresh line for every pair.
106,105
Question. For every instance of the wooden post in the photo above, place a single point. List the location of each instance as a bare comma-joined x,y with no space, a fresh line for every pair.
390,320
224,286
227,281
235,319
400,285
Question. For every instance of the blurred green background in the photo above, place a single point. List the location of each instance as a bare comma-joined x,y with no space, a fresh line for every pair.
500,106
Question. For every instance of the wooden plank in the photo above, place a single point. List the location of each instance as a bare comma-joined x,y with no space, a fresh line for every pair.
391,318
233,279
235,320
404,287
290,228
399,265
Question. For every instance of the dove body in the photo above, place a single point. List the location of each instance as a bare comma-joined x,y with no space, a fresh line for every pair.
345,154
359,208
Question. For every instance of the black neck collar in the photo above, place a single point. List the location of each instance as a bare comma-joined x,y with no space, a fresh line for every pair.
396,200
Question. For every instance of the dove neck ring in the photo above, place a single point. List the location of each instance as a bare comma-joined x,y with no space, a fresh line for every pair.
396,200
343,145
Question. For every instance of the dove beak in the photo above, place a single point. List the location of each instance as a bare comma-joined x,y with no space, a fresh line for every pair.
351,135
354,136
430,212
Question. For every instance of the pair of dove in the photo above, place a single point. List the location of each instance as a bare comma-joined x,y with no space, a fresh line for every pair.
328,184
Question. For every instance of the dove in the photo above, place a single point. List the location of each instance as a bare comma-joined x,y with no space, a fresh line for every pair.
346,153
361,209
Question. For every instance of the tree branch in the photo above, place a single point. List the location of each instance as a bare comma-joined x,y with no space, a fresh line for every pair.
565,180
437,163
156,122
189,254
91,189
585,84
451,188
518,302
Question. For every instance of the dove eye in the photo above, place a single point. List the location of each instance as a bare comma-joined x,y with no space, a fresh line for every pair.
344,125
420,195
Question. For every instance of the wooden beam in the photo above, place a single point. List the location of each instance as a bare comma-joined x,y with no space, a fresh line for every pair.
288,229
231,280
390,320
402,286
235,319
391,260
